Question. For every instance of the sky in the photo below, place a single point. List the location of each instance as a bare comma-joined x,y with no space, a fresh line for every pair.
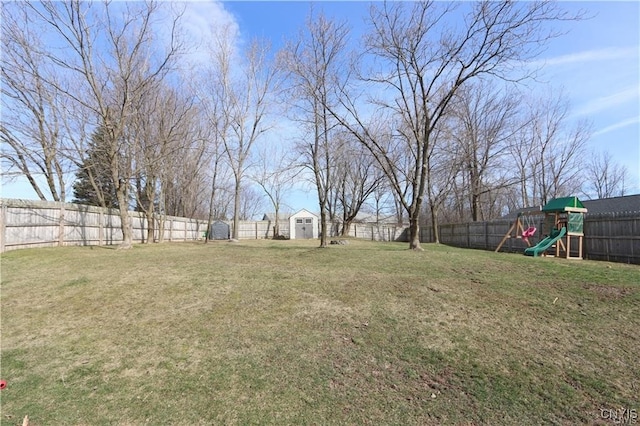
596,64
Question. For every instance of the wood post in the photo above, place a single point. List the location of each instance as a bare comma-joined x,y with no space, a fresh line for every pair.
101,228
61,226
3,227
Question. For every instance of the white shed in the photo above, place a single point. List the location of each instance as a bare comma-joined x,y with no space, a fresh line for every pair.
303,224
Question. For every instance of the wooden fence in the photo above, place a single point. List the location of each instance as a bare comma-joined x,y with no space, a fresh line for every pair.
23,224
611,237
27,223
374,232
261,229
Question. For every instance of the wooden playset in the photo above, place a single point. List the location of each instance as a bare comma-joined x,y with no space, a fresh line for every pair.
564,218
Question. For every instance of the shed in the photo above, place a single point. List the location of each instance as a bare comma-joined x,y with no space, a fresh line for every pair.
303,224
219,230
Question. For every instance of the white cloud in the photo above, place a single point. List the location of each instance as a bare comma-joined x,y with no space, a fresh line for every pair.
200,21
613,100
596,55
624,123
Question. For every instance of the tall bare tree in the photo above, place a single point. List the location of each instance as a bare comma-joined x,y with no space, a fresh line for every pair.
444,164
275,174
421,60
183,176
355,178
314,62
483,127
252,203
165,127
604,178
212,130
549,150
32,128
245,85
110,53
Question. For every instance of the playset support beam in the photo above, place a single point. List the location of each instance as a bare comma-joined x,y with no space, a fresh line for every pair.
517,229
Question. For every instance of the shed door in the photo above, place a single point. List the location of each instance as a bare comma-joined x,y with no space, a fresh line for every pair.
304,227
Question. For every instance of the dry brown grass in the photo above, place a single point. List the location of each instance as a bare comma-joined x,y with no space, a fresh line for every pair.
280,332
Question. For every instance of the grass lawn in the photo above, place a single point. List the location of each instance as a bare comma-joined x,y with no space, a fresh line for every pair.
281,332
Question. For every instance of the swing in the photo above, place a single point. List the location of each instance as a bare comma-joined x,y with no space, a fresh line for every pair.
530,231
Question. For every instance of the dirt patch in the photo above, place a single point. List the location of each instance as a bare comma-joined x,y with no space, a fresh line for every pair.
439,382
608,292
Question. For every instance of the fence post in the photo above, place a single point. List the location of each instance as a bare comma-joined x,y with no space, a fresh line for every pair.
486,235
3,227
61,226
101,228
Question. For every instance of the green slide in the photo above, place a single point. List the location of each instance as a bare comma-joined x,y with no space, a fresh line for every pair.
556,234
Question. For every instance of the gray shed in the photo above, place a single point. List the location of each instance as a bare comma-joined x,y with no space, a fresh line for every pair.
219,231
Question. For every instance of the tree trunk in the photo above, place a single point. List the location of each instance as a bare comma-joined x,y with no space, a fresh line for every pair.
236,210
125,221
151,224
346,227
434,225
211,200
475,205
276,226
414,232
323,226
414,235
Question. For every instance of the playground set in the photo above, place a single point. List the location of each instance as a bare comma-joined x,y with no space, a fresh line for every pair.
563,217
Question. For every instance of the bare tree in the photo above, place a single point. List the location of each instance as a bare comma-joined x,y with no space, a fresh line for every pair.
355,178
113,59
604,177
314,62
217,176
244,88
212,131
422,61
183,177
445,163
252,203
164,126
525,163
483,128
31,130
275,174
550,149
382,202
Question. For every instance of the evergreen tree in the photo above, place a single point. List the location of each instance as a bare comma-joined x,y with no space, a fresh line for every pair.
94,185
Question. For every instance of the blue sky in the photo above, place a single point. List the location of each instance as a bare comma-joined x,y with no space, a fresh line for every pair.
596,64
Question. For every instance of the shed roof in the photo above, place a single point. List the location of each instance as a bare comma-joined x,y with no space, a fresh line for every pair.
287,215
304,212
563,204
